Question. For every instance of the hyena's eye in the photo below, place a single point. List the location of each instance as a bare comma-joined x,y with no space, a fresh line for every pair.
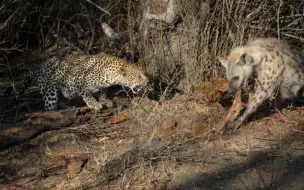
236,78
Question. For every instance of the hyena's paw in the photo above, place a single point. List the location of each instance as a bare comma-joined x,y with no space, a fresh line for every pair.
230,127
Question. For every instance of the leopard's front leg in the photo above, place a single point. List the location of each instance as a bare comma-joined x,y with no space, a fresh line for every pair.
103,99
91,102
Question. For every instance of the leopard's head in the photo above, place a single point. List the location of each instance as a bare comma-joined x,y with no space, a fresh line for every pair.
131,76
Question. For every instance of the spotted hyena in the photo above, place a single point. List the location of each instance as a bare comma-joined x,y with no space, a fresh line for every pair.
265,67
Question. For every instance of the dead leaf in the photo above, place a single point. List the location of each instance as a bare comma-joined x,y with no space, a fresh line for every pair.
213,89
220,84
118,118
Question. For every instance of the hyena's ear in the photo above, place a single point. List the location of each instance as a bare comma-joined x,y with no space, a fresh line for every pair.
246,59
223,61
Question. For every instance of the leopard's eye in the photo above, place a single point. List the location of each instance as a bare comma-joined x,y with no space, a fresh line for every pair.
236,78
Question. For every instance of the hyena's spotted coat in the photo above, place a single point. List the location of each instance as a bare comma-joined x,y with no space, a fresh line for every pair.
264,67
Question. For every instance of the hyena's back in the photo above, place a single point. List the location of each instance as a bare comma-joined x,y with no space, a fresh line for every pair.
281,52
277,54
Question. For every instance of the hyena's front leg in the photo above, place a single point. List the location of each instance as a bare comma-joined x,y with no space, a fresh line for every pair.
256,100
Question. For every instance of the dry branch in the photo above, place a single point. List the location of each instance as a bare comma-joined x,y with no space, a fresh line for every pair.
4,24
98,7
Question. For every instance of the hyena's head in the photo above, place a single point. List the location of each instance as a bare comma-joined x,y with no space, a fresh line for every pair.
239,67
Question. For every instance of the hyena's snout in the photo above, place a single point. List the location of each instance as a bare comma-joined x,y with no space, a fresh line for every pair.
231,89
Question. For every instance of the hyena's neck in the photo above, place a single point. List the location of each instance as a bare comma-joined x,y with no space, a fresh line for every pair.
251,80
248,86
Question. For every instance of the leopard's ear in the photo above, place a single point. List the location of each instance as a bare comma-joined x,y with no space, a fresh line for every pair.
123,71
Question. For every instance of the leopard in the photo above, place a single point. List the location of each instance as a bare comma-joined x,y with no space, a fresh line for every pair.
267,69
83,76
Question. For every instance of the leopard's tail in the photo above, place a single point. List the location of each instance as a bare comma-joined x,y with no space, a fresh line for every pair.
28,79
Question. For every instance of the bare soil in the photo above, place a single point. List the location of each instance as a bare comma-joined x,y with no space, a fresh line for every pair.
171,144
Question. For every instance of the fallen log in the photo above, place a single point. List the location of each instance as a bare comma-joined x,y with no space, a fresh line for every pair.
39,122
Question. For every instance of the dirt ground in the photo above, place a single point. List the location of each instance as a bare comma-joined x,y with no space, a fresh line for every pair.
148,144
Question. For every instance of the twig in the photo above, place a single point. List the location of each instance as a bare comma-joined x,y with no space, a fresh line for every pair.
55,35
114,4
273,29
11,49
253,13
292,36
296,21
72,45
278,18
8,3
279,139
292,16
8,19
297,130
92,36
98,7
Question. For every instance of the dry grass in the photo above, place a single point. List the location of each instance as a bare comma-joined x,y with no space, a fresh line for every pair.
160,146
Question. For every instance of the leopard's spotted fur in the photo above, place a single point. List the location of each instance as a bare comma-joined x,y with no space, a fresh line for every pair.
83,75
